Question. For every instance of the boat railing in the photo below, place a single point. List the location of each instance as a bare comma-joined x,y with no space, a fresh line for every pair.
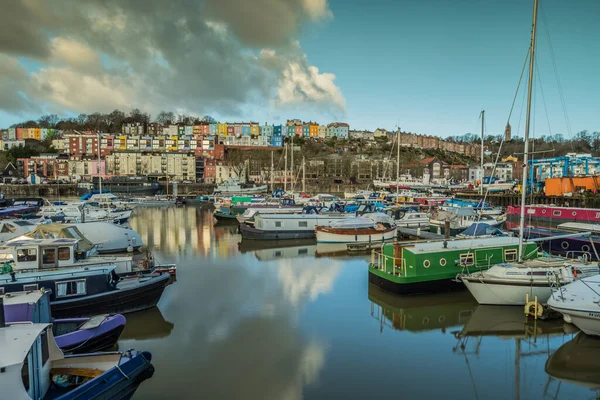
380,261
575,254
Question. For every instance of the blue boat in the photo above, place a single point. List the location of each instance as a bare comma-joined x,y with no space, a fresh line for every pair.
73,335
570,247
33,367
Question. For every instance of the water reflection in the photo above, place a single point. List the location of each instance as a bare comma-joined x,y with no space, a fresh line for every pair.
577,362
421,313
298,320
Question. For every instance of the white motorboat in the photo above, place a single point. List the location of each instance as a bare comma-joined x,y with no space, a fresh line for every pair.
371,227
109,200
154,201
460,219
499,186
106,237
322,200
83,213
234,186
579,302
413,220
510,283
12,228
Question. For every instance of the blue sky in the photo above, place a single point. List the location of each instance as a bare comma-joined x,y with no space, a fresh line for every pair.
427,66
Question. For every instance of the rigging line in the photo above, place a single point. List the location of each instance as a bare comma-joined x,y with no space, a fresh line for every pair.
556,75
539,76
519,84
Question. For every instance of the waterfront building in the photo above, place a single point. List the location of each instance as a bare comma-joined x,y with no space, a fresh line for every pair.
291,130
298,130
213,129
222,129
266,130
305,130
339,130
313,129
322,131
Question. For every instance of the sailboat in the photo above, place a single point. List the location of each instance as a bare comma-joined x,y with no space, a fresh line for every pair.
579,303
509,283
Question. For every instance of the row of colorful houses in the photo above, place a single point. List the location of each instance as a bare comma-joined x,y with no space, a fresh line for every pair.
241,129
27,133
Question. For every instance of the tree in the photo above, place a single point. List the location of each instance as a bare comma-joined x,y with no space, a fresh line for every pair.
165,117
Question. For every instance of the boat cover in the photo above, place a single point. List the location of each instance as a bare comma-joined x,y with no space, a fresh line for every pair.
482,229
57,231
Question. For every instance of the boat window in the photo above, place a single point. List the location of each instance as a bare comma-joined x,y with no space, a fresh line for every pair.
25,255
30,287
1,291
25,371
585,248
48,256
45,352
510,255
443,262
303,224
556,213
277,253
426,263
466,259
537,273
277,224
64,253
564,245
302,251
70,288
8,228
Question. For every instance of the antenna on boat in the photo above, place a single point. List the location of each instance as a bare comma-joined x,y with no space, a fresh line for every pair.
527,126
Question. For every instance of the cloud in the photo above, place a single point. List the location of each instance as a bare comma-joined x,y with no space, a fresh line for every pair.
14,84
200,56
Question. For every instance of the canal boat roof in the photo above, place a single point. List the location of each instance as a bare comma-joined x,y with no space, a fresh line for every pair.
29,297
463,244
33,276
16,341
39,243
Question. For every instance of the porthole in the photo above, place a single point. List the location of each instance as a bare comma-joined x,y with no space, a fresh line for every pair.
564,245
443,262
426,263
574,213
543,211
425,320
585,247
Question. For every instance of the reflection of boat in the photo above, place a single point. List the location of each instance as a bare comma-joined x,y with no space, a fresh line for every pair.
577,362
286,252
147,324
234,186
422,313
246,246
509,322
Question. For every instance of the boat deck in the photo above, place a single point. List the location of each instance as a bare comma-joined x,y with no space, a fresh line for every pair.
409,233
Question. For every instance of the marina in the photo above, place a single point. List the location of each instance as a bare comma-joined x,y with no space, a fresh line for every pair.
378,234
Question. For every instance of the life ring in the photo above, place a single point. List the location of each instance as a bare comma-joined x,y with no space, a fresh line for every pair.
534,309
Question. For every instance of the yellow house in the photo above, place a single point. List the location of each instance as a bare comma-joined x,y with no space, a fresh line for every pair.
37,133
172,143
254,130
314,130
222,130
122,142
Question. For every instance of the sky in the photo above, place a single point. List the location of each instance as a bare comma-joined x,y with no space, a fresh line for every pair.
426,66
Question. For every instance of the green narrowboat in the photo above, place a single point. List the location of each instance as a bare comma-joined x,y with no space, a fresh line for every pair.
433,266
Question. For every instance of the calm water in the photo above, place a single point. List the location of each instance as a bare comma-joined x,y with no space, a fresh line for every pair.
262,321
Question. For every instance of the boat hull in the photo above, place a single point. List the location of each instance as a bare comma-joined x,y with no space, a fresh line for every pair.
115,384
225,217
90,341
415,288
252,233
587,321
506,293
138,297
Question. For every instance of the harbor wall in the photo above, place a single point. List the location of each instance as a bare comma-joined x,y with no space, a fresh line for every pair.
38,190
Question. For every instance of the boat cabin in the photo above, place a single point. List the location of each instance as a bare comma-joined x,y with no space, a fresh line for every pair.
40,253
293,222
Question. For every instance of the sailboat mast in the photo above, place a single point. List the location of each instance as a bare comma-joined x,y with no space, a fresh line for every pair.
271,171
397,162
99,171
482,141
527,126
285,174
292,167
303,175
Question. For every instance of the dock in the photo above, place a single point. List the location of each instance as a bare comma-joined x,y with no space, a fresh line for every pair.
409,233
